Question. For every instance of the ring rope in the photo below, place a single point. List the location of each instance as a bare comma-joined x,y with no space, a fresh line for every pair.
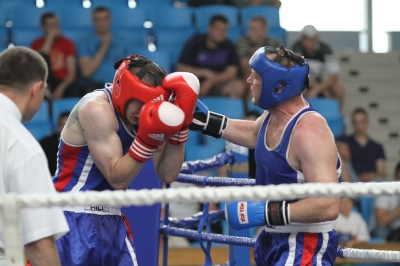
342,252
213,216
368,254
216,238
215,181
196,194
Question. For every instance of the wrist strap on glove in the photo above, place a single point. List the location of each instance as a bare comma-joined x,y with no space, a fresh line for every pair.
141,151
277,213
181,137
216,125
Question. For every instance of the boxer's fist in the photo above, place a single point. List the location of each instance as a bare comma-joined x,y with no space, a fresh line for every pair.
186,87
241,215
209,123
157,123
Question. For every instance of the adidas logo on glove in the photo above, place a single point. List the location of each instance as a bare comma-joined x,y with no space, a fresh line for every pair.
159,137
159,98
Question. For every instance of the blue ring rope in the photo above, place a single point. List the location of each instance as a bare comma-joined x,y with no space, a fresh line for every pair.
222,239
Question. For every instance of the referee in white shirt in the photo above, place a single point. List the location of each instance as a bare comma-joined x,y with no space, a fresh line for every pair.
23,165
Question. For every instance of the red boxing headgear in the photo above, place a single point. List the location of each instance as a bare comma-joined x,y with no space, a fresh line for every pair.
128,86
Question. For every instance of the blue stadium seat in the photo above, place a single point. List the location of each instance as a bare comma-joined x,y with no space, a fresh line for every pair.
78,18
203,15
136,37
231,107
75,35
366,208
200,146
7,8
63,105
251,107
270,13
40,130
108,3
40,125
58,6
3,45
330,110
124,18
172,41
234,33
27,17
173,18
25,37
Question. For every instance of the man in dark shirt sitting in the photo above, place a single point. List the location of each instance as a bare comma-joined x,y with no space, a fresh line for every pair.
213,59
366,156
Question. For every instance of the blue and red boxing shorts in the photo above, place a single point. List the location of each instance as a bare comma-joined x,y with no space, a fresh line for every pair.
96,239
296,248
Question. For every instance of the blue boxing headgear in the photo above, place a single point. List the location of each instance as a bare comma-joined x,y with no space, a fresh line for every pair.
279,83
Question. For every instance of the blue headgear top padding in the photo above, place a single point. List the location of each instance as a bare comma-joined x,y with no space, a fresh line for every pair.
273,75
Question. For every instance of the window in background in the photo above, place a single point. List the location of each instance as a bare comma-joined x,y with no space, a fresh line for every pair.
385,15
344,15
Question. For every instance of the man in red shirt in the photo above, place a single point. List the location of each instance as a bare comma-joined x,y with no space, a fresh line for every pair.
59,53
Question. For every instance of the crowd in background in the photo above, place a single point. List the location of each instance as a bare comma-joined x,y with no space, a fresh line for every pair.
222,67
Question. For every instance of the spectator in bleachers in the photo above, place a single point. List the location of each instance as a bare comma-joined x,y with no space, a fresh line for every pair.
324,68
99,50
59,53
387,214
257,37
213,59
50,143
350,225
366,156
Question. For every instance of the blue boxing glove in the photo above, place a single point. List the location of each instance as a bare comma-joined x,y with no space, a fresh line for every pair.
241,215
209,123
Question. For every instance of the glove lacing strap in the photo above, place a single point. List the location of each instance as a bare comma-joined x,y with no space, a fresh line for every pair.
277,213
141,151
215,125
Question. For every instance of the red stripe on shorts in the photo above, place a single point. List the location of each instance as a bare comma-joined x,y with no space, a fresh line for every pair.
310,244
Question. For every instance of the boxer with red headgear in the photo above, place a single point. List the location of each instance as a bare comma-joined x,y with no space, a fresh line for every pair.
109,135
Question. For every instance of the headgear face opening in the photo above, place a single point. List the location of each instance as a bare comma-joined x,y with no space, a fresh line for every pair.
279,83
128,86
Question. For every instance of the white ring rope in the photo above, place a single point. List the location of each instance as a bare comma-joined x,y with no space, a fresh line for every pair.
370,254
197,194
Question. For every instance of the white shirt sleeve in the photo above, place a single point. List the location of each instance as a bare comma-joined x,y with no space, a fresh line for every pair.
30,174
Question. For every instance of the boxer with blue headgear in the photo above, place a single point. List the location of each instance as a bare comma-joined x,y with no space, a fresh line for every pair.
281,80
293,145
279,83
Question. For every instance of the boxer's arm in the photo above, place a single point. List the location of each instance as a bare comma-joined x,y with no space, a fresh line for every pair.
313,152
98,124
244,132
168,161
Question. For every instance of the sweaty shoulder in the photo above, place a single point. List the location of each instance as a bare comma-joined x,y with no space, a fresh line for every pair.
310,126
93,112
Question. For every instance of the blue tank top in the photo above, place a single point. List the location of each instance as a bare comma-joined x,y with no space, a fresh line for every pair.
76,170
272,163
